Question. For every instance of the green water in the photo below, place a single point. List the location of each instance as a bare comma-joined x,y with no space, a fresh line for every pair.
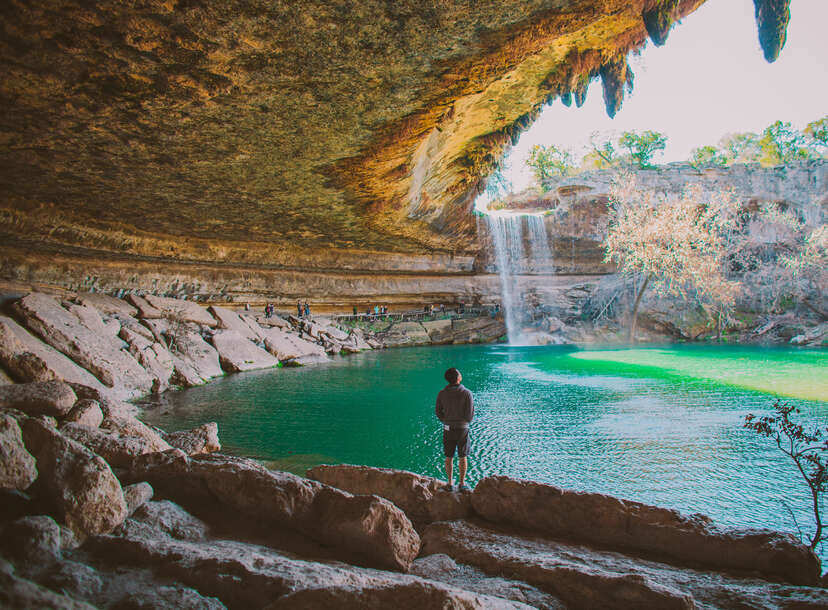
662,425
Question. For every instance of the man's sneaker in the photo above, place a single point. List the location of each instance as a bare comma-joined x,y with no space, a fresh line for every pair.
448,487
464,488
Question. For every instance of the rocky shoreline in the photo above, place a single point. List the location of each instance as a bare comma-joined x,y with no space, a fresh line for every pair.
98,509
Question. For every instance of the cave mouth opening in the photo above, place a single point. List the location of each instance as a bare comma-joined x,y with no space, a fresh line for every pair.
694,93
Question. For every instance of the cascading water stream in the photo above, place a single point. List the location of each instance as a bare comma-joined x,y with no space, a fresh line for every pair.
507,231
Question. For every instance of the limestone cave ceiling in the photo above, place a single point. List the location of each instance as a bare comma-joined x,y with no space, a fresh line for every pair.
157,126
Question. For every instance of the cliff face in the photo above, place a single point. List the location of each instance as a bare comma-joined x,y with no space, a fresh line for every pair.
153,144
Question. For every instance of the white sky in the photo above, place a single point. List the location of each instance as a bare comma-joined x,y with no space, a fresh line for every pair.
709,79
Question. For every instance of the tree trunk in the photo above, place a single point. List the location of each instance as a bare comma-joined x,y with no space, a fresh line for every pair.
631,337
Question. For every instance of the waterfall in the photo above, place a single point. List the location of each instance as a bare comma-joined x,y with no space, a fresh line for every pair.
539,243
508,236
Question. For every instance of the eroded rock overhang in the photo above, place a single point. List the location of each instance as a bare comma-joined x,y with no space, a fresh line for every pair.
275,135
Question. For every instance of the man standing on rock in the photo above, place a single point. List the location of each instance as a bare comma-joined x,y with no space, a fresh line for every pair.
455,408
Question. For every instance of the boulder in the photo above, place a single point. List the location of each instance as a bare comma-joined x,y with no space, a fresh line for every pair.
110,406
130,426
238,354
136,495
152,355
632,526
100,354
86,412
191,353
77,485
181,310
31,543
145,310
17,466
73,578
230,320
117,450
106,305
52,398
588,577
16,592
365,527
289,348
169,518
5,379
201,439
422,498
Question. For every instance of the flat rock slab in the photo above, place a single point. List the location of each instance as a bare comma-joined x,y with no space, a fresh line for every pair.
288,347
632,526
106,304
236,353
230,320
52,398
584,577
98,353
45,362
145,310
182,310
251,576
365,527
422,498
443,568
17,465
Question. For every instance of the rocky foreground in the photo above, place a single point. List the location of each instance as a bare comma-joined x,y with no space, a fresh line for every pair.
99,509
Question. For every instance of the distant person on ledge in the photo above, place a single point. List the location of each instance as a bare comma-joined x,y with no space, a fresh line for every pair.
455,408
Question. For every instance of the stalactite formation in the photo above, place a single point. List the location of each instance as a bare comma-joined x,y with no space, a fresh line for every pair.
616,76
772,17
659,21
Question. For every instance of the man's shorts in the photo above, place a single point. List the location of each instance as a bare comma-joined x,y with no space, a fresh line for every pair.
456,439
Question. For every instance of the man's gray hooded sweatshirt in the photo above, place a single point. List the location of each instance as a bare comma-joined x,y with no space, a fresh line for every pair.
455,406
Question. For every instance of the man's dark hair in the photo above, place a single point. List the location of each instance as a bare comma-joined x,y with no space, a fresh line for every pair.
452,375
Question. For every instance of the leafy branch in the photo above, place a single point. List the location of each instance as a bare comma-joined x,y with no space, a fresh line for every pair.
807,448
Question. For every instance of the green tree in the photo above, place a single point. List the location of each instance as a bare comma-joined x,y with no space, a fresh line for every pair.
781,143
816,133
602,153
740,147
642,146
548,162
707,156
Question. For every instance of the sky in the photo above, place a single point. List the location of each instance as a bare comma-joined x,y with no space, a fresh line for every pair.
709,79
